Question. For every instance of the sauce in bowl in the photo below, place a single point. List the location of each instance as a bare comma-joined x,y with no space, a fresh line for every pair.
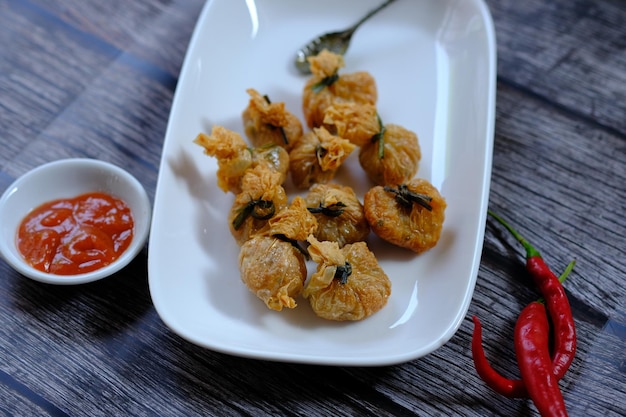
76,235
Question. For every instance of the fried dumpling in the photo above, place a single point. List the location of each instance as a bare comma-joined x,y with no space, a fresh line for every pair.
273,269
339,213
316,157
272,265
262,196
348,284
266,122
327,87
410,215
234,157
393,157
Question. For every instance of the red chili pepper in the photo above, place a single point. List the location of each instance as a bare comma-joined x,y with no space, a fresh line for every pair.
556,302
533,357
512,388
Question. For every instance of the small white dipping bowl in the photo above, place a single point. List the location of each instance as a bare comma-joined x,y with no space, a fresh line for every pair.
69,178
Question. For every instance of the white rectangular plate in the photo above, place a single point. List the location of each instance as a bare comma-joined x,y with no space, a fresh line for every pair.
435,66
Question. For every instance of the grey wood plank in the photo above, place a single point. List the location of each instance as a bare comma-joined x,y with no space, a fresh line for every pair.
87,78
156,31
571,53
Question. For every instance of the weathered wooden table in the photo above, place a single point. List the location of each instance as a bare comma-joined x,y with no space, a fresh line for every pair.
96,79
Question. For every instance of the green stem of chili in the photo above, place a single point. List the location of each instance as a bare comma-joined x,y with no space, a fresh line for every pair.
530,250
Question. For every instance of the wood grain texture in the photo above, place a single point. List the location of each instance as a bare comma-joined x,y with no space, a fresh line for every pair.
96,79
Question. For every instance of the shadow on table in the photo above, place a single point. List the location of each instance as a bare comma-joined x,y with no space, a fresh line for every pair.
96,309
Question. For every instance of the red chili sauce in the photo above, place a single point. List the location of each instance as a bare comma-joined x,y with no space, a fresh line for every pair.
76,235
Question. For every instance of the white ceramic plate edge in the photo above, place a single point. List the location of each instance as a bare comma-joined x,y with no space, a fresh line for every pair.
164,309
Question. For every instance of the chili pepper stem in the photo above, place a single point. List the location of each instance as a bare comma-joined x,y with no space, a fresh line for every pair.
530,249
567,271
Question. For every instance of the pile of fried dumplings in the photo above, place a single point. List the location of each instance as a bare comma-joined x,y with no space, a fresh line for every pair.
327,224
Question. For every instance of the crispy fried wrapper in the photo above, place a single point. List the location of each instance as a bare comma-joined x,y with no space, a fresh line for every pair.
414,227
261,198
267,122
400,159
348,284
234,157
357,122
359,87
325,64
295,222
339,213
317,156
273,270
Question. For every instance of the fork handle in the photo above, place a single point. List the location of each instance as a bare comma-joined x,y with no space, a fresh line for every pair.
370,14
